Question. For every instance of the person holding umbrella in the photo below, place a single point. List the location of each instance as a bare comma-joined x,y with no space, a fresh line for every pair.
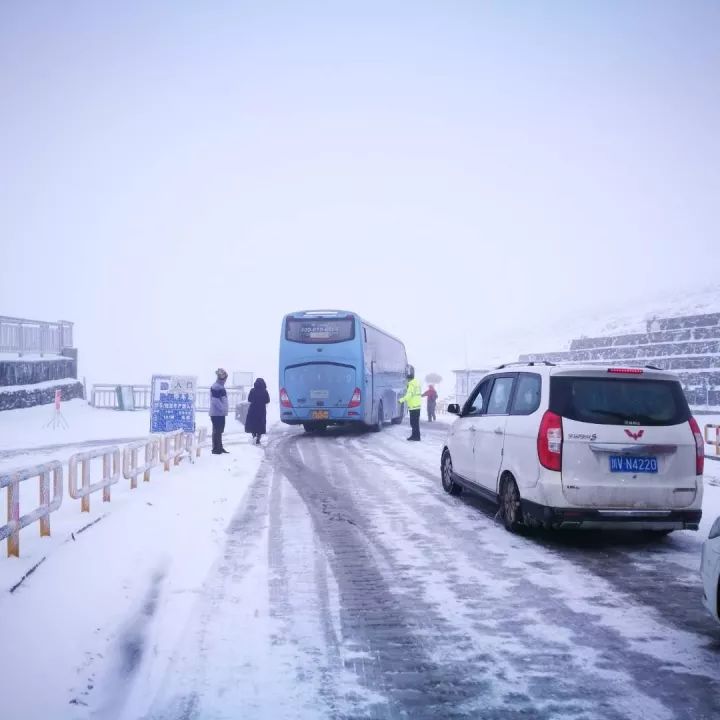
432,396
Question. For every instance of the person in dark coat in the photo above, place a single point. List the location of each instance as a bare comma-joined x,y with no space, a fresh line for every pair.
256,419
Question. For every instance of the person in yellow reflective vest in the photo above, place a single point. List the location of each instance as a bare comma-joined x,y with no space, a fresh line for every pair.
413,399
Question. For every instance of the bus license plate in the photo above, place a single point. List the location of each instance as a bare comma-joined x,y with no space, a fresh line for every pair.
629,464
320,415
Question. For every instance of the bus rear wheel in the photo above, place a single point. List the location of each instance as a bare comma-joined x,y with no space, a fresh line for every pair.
380,419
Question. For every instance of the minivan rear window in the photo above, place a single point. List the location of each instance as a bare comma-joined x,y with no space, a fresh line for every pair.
320,330
613,401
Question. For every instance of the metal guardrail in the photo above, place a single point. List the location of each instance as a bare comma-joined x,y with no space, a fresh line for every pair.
172,448
15,521
18,335
111,474
105,396
195,442
131,469
165,449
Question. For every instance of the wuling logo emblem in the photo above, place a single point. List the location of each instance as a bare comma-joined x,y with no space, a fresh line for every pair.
635,435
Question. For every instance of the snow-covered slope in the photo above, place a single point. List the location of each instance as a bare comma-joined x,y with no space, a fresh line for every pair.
551,335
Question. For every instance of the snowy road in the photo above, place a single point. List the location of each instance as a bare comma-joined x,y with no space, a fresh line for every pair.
351,586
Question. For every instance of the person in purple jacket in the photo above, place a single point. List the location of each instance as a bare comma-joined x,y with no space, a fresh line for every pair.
218,411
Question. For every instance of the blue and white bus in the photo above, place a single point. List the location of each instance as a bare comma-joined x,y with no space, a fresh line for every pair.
337,369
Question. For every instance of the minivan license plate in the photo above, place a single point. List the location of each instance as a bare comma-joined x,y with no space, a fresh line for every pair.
630,464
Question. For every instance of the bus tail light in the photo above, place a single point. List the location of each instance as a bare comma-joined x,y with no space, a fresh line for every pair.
285,399
356,399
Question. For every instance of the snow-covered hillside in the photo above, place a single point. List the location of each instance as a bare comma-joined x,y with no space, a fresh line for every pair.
543,334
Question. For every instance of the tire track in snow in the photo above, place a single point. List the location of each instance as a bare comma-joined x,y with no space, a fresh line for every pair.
463,598
292,571
667,675
660,573
193,663
383,627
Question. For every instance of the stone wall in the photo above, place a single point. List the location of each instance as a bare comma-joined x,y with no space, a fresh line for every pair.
42,396
26,372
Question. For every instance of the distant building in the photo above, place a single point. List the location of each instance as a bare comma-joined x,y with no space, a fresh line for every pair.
465,381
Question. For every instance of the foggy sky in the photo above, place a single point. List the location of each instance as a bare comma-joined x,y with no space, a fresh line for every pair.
174,177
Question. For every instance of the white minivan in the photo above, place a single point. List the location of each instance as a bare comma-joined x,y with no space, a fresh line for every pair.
589,446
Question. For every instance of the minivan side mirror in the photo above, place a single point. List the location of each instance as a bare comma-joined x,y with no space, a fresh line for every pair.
454,409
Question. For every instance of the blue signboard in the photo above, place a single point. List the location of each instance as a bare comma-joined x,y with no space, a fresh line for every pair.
172,403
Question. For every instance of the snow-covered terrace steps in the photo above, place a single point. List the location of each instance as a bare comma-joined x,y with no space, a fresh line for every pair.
653,338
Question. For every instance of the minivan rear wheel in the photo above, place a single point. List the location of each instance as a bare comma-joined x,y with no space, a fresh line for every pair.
510,505
448,483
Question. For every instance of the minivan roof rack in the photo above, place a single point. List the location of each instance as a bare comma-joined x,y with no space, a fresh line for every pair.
527,362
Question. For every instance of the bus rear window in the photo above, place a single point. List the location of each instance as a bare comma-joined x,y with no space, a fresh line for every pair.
316,331
611,401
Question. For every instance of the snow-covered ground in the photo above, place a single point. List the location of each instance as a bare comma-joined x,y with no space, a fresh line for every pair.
27,428
37,386
100,570
25,441
28,357
330,577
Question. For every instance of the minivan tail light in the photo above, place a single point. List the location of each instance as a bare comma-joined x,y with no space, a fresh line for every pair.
699,446
625,371
285,399
356,399
550,441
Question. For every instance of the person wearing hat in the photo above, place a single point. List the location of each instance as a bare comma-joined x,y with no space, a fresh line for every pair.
413,398
218,410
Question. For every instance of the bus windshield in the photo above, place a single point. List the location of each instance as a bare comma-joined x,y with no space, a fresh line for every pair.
320,330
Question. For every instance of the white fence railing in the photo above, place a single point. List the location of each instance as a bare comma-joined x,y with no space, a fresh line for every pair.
18,335
131,469
15,521
106,396
168,449
713,430
172,448
110,475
